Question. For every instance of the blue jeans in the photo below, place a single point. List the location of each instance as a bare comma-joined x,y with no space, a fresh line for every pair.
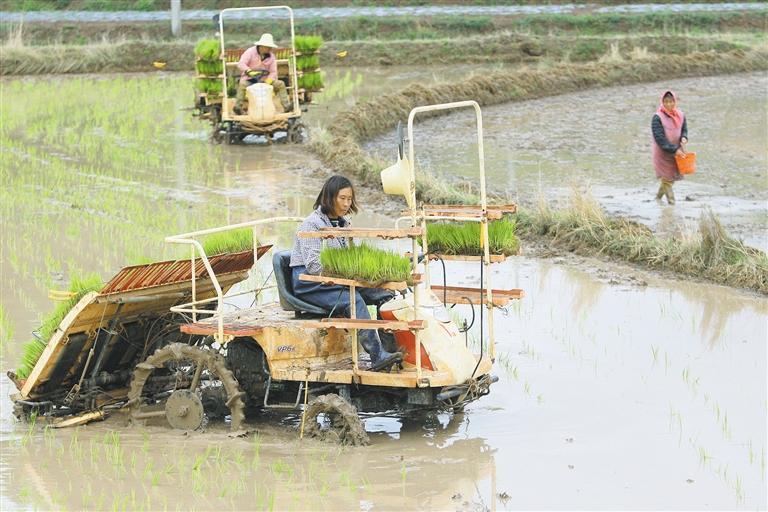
328,296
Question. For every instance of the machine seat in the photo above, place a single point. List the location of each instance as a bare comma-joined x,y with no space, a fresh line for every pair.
284,277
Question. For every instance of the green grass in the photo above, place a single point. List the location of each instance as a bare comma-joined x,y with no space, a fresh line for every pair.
463,238
365,263
33,349
712,254
237,240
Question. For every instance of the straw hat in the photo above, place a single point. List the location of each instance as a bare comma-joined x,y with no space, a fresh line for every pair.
266,40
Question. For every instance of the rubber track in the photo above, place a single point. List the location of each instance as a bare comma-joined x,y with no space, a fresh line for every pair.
178,352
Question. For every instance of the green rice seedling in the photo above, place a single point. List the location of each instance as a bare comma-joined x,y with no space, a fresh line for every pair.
33,349
463,238
237,240
365,263
311,81
209,85
307,62
209,67
207,49
308,44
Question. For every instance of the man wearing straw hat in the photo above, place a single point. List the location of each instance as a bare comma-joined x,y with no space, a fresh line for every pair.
258,64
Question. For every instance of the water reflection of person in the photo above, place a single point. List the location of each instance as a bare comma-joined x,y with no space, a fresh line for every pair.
335,200
670,134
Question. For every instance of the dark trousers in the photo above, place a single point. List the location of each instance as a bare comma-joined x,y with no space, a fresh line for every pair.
337,298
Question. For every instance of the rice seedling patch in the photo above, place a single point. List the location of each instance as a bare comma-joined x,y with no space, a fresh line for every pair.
463,238
237,240
365,263
307,62
207,49
308,44
311,81
209,67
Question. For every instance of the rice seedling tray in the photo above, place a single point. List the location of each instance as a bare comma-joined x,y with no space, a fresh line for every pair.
494,258
389,285
360,323
457,294
386,234
494,212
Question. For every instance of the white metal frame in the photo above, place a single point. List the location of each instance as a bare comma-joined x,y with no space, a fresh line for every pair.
291,63
196,246
418,219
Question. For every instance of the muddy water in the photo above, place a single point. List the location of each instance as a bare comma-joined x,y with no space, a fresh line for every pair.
601,139
610,396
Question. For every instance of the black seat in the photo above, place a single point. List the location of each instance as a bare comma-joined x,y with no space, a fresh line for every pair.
281,261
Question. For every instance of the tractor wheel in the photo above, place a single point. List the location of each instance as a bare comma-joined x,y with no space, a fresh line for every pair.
297,133
217,135
331,418
187,385
246,360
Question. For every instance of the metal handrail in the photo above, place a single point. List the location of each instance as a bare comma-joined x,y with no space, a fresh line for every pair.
188,239
420,220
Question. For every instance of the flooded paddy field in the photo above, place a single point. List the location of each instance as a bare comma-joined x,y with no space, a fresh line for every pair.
617,388
608,395
601,139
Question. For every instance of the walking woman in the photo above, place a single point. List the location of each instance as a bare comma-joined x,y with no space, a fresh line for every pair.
670,134
335,201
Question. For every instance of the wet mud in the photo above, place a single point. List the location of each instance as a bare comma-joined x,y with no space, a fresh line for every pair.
617,388
600,139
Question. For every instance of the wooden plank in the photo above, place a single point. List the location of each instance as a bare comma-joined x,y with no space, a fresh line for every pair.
80,419
471,213
386,234
512,293
389,285
502,208
455,294
240,329
245,322
359,323
494,258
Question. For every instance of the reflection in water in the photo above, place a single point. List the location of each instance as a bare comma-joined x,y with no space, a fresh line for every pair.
656,374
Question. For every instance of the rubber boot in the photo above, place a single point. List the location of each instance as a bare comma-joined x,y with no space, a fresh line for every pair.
660,193
279,87
240,99
670,194
380,358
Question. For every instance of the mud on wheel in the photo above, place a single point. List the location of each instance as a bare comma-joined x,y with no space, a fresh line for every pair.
186,385
331,418
297,132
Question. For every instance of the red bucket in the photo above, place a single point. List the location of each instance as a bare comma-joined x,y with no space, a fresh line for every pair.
686,164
